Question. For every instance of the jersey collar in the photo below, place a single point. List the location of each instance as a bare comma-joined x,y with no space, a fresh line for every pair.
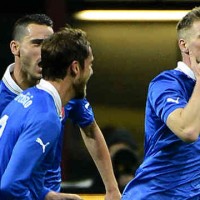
185,69
9,82
48,87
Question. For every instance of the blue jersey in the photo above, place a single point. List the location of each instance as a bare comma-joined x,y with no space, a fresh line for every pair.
8,88
30,129
170,169
79,111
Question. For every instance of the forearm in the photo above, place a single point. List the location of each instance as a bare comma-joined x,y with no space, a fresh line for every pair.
98,150
185,123
61,196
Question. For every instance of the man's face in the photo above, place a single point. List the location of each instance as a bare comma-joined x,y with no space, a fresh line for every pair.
193,41
81,84
30,51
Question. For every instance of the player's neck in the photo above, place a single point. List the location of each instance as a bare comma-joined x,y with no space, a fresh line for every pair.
65,90
21,80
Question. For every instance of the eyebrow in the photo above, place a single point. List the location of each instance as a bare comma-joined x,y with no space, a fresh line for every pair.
37,41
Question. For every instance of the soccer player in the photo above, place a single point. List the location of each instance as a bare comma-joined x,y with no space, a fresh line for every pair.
170,169
31,123
28,34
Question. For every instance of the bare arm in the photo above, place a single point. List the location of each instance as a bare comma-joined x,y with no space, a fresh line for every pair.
61,196
97,148
185,123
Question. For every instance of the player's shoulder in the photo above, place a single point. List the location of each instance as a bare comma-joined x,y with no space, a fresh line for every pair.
2,86
37,100
165,77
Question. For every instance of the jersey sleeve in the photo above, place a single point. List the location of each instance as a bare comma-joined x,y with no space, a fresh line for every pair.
31,155
80,112
165,96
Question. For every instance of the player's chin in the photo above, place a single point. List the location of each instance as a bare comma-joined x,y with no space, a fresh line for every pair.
80,94
38,71
38,76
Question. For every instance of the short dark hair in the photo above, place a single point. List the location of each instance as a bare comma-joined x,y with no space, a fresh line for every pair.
19,29
187,21
61,49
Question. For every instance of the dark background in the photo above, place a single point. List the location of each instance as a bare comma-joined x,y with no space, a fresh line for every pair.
127,55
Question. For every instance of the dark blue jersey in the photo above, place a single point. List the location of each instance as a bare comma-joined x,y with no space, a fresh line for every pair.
30,129
170,169
79,111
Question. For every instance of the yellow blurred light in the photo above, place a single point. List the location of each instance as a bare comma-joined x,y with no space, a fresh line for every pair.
130,15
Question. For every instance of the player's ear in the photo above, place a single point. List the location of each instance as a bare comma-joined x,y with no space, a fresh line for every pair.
14,46
74,68
183,45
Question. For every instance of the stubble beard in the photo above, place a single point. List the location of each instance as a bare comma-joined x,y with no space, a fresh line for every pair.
80,91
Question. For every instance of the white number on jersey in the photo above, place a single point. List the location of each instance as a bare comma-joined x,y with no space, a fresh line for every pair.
3,122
